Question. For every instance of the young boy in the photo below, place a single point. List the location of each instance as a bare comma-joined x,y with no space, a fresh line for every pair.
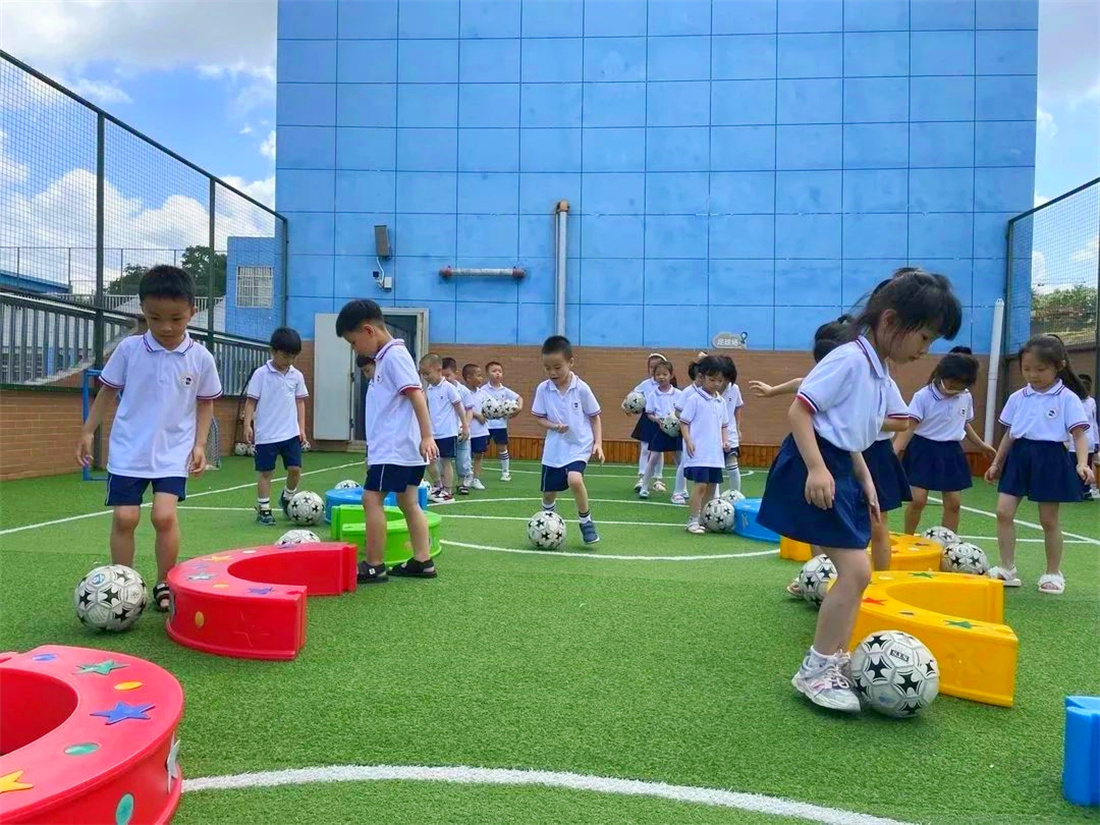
365,365
160,427
565,406
703,425
462,457
448,425
479,429
275,419
498,427
400,437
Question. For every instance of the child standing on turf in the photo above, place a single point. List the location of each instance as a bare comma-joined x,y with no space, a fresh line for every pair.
731,395
463,462
660,403
275,420
645,429
479,430
159,432
1031,460
365,364
448,425
704,427
939,420
1088,491
819,489
400,437
498,427
565,406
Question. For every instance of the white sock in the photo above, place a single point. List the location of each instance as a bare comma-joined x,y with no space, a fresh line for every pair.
660,469
680,487
505,462
734,476
815,661
643,458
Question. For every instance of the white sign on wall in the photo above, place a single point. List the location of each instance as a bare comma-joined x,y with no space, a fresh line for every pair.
731,340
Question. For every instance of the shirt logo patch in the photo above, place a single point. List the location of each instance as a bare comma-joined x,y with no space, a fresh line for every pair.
187,379
1051,413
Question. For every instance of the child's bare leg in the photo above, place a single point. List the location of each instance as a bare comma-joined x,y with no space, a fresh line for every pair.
880,544
123,524
1052,534
651,469
418,523
1006,529
448,475
477,464
838,613
698,496
915,509
263,486
433,473
549,501
293,476
166,523
952,506
580,492
375,518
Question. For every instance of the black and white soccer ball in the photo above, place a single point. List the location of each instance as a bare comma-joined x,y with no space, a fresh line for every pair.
292,537
634,403
718,516
111,597
250,449
964,557
510,407
941,535
895,673
814,578
347,484
306,508
670,425
240,448
733,496
493,408
546,530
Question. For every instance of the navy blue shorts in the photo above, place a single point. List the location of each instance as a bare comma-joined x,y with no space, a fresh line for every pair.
645,429
662,443
937,465
290,450
393,478
1041,471
499,436
784,509
891,482
479,444
704,475
556,479
126,491
447,447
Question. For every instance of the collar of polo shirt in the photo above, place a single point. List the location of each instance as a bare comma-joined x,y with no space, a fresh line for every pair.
153,345
1053,389
872,356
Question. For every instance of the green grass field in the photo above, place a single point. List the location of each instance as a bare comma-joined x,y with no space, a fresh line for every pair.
667,671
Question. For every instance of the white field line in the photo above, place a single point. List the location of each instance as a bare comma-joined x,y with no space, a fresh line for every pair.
593,556
627,476
647,502
462,775
1033,541
1021,523
190,496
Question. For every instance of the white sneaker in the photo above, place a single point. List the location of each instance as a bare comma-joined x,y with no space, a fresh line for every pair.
1008,575
827,688
467,481
679,498
505,476
476,484
439,497
643,493
1094,494
659,486
695,528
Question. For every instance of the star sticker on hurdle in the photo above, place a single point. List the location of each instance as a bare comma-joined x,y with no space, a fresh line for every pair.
922,575
122,711
216,557
262,591
44,657
964,624
103,668
10,782
200,577
173,764
869,600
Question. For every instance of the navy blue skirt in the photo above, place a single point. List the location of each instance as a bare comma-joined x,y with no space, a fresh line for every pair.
704,475
937,465
645,429
1041,471
662,443
784,509
891,483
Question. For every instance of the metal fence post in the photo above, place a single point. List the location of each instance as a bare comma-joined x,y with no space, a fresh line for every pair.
210,271
99,324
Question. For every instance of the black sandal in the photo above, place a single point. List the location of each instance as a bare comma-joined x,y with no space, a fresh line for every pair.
414,568
162,596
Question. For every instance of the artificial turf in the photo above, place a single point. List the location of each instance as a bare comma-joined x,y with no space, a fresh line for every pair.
669,671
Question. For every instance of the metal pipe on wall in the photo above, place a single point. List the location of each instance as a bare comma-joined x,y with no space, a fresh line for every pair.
561,216
995,344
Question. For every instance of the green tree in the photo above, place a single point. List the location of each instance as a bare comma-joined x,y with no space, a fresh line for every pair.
1069,312
128,283
196,260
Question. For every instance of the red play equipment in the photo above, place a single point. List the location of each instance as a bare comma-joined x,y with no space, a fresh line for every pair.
87,736
251,603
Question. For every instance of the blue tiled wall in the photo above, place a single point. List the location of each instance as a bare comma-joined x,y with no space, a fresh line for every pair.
252,322
731,165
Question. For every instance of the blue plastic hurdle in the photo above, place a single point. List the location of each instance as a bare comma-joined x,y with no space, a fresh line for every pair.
1081,767
745,513
334,498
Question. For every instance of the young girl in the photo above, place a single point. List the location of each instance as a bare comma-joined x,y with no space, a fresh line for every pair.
703,423
819,489
1088,491
1031,460
645,429
731,395
939,421
659,404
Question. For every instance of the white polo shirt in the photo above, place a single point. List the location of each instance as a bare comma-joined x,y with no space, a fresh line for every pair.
276,395
846,391
941,417
477,429
661,404
705,415
732,396
392,431
1043,416
441,400
895,408
646,387
501,393
575,407
154,427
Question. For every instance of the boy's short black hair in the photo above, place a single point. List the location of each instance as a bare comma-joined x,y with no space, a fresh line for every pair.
450,364
730,368
823,347
557,344
711,365
468,370
493,364
431,359
356,313
287,340
362,361
164,281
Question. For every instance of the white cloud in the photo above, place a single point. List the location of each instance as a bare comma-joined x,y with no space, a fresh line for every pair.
261,190
1040,199
246,129
102,92
11,172
267,148
1088,253
1044,123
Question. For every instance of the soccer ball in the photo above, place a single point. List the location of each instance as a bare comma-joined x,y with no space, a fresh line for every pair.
814,578
240,448
250,449
895,673
964,557
510,407
940,535
306,508
670,425
718,516
733,496
634,403
348,484
493,408
546,530
293,537
110,598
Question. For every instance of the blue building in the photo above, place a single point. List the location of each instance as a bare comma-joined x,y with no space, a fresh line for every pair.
253,287
730,165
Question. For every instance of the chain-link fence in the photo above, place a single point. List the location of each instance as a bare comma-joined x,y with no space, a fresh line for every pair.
88,204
